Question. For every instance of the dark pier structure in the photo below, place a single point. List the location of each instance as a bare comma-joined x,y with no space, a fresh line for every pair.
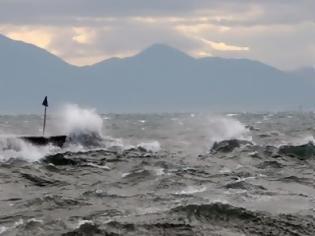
42,141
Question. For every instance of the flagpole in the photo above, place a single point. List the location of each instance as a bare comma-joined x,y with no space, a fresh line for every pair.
45,104
44,126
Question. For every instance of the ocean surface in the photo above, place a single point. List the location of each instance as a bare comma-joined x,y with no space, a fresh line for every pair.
159,174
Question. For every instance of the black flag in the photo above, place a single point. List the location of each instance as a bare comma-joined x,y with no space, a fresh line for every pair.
45,102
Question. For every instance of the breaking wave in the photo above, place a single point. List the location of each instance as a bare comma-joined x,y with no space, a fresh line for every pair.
153,146
11,147
302,139
225,128
83,126
84,130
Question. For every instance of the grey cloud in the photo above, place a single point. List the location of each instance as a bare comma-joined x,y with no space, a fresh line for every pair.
284,12
37,10
61,12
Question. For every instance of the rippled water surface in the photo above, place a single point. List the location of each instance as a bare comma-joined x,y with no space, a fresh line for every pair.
159,174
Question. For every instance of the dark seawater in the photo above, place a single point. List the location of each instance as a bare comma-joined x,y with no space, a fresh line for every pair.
160,174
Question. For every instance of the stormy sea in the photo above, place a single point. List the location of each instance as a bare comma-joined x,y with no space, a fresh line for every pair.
159,174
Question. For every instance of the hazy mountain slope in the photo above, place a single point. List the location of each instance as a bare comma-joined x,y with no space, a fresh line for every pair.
305,73
163,77
28,72
159,78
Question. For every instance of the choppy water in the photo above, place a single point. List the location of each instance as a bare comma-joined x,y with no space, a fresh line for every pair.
155,175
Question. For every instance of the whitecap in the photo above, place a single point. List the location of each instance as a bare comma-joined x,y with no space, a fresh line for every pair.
191,190
231,114
223,128
3,229
225,170
153,146
123,175
19,149
98,166
35,220
82,222
159,171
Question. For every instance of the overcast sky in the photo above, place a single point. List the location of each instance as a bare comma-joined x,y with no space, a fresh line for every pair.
278,32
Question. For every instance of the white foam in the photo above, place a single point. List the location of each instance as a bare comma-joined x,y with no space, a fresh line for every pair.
116,142
73,119
80,124
82,222
303,139
159,171
35,220
153,146
225,170
223,128
150,210
98,166
106,118
3,229
18,223
231,114
192,189
235,191
243,179
123,175
11,147
223,201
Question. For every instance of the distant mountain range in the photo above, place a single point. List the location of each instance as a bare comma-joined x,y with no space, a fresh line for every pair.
160,78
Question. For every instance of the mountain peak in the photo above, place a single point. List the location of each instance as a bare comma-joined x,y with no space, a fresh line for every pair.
162,51
160,46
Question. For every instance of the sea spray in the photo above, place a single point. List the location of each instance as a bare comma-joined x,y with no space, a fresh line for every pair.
83,126
223,128
15,148
198,133
77,119
153,146
299,140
